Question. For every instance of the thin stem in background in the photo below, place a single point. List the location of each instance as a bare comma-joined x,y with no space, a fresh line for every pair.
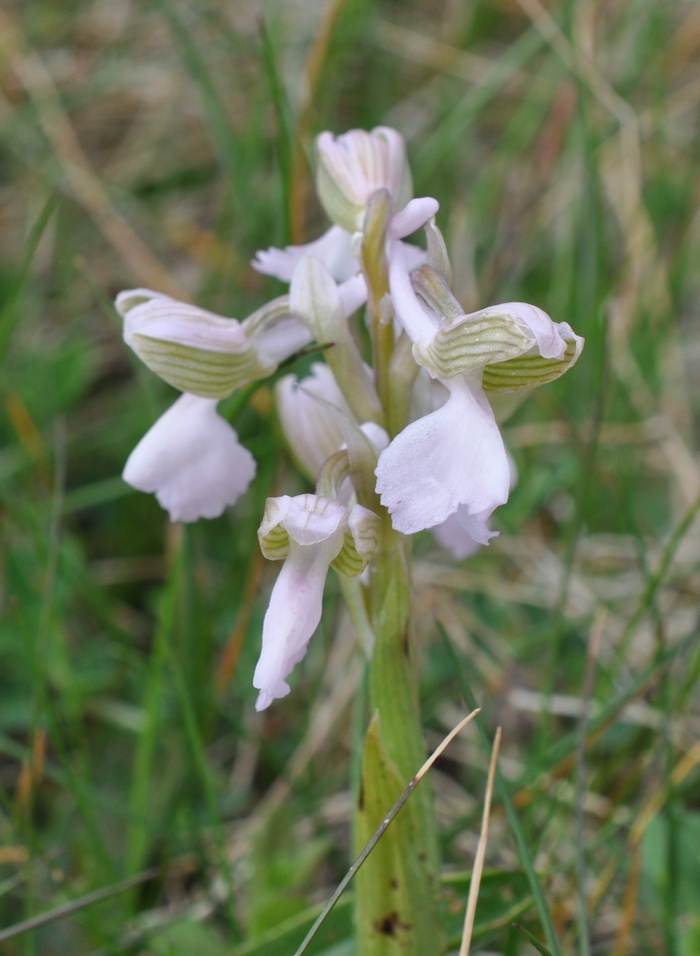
581,785
478,867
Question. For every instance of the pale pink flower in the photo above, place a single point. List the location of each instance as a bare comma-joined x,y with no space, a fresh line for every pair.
453,460
310,533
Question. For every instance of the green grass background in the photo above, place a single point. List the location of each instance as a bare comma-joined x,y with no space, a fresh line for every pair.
160,144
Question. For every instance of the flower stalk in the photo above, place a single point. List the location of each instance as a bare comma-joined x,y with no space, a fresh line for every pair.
396,891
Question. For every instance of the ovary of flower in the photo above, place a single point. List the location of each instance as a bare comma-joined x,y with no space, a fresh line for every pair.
310,533
192,460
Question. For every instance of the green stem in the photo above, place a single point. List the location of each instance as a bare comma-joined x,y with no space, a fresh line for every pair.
393,684
396,891
375,269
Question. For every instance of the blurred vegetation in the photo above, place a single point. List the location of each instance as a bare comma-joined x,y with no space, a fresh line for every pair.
160,145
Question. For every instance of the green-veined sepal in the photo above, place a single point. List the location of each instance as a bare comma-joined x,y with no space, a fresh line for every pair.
473,341
531,369
200,372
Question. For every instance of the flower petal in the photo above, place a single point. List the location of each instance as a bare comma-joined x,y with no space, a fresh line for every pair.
453,456
353,294
474,341
333,248
192,460
360,543
161,317
463,534
193,350
550,337
309,425
309,531
292,617
414,215
420,323
531,369
313,519
454,535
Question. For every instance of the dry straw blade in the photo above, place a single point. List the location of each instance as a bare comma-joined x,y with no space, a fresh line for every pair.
480,852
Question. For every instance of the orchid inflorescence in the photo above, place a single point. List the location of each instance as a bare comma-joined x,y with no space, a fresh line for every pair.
407,443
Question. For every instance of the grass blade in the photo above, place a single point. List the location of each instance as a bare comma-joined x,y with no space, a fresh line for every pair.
502,789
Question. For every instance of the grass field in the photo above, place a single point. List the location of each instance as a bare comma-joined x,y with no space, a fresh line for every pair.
161,144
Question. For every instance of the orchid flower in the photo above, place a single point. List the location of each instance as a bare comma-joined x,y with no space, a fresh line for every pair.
191,458
310,533
453,460
351,169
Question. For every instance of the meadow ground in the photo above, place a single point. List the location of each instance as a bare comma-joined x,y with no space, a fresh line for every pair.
160,145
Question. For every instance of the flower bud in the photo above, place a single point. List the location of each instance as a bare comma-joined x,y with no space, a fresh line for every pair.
355,165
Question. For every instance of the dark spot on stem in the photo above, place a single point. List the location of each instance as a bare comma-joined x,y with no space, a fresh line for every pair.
389,925
361,797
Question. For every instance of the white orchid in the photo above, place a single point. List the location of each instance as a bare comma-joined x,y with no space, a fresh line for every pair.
310,533
452,462
191,459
